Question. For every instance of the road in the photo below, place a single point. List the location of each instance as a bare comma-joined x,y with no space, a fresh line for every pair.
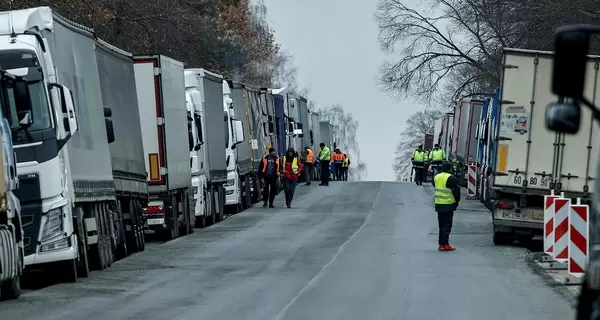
354,250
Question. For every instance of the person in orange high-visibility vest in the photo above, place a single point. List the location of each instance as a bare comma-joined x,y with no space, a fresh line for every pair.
309,159
338,160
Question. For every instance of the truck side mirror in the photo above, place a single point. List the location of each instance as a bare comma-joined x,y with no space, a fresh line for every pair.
570,58
67,107
271,127
239,131
197,147
290,128
23,101
563,117
110,131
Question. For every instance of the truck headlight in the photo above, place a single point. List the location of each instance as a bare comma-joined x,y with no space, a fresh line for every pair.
54,224
230,183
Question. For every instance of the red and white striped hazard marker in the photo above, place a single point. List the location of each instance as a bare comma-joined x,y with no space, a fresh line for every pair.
471,185
561,229
578,238
549,221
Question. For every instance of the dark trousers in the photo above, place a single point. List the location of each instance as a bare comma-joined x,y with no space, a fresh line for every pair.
345,173
445,226
308,172
419,175
325,172
270,189
289,187
338,171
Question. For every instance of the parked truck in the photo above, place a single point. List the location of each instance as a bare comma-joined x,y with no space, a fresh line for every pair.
531,160
446,132
160,88
208,87
118,91
464,144
11,231
66,207
486,153
236,191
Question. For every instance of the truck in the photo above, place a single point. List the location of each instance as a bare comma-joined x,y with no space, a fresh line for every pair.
160,89
259,137
428,142
315,136
303,125
236,191
486,137
11,231
530,159
118,92
464,144
66,207
279,97
446,132
208,88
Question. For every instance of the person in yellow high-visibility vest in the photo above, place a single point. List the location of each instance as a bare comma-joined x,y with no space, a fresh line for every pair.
446,199
418,160
345,166
324,159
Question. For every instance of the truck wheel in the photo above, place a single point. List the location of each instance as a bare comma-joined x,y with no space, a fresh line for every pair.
221,197
11,289
184,229
503,238
210,203
83,265
140,236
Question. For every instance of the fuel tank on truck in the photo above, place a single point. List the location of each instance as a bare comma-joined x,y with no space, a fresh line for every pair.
117,80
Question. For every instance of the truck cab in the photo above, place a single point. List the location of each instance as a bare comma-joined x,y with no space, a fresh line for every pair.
234,136
39,139
11,231
197,149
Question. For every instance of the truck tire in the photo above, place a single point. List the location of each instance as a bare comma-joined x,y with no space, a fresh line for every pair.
184,228
138,211
210,204
11,289
201,220
83,264
221,197
503,238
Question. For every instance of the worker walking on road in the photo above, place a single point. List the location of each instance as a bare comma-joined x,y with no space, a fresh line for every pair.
269,170
292,168
324,159
418,160
338,159
309,158
345,166
446,198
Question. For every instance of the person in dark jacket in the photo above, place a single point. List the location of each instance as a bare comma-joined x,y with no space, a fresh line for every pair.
446,198
269,170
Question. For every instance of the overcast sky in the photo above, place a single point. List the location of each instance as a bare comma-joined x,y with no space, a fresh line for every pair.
335,49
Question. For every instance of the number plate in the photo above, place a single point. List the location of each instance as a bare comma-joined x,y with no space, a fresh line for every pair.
537,215
513,216
155,221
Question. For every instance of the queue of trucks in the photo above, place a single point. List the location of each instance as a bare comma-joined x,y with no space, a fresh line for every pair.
517,160
94,152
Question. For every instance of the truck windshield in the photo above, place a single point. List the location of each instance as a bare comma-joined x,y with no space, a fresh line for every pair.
25,63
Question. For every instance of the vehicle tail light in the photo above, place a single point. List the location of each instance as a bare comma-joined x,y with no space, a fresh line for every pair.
154,209
505,204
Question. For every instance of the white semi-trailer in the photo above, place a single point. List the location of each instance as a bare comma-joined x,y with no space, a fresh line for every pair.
530,159
160,87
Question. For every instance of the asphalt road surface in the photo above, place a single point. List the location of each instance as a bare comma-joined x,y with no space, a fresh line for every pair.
353,250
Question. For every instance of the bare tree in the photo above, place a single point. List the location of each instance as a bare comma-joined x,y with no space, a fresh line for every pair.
452,52
417,126
345,127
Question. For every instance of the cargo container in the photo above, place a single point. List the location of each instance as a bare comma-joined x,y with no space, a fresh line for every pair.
466,117
530,159
160,88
